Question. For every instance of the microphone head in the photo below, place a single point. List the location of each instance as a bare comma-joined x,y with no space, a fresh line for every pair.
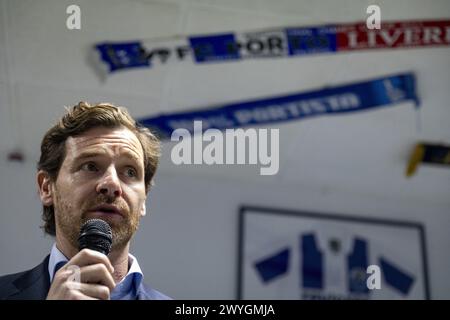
95,234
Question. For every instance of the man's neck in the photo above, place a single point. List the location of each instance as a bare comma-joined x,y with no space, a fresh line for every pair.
119,260
117,256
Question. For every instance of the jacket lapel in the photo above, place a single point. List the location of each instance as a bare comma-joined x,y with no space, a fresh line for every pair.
33,284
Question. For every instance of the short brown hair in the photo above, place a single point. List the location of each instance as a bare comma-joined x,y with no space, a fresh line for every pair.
79,119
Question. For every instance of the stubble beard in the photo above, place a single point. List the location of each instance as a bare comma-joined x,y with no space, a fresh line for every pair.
69,220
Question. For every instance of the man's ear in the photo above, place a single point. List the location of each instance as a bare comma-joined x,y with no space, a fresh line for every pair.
143,210
45,187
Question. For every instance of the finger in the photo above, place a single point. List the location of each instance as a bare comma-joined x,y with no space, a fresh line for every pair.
87,257
91,290
64,274
97,273
80,296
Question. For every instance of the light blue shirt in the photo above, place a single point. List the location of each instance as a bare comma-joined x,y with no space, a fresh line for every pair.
126,289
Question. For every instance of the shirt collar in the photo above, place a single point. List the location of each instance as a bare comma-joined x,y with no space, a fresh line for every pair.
130,282
56,257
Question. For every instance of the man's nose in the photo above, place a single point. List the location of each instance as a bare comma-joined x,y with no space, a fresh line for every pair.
109,184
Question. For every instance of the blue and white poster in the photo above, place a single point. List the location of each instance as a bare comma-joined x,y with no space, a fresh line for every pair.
296,255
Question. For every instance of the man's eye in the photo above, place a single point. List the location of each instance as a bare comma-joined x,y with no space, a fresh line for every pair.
131,172
90,166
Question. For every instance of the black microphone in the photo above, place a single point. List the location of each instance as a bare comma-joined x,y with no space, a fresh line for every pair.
95,234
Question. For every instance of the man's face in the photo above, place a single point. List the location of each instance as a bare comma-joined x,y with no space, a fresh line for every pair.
102,176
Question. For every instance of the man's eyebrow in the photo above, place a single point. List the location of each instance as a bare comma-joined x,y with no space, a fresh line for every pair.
89,154
98,153
130,155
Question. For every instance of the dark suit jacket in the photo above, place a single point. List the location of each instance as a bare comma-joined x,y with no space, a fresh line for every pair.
35,283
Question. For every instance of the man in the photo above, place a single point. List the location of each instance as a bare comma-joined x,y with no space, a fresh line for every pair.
96,162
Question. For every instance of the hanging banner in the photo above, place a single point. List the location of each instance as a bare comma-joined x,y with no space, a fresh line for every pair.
334,100
272,43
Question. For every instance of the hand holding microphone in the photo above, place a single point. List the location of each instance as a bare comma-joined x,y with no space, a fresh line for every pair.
95,269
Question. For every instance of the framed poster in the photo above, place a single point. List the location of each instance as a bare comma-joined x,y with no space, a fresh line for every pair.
285,254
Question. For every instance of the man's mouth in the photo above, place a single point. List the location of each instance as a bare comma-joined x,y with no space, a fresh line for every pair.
106,210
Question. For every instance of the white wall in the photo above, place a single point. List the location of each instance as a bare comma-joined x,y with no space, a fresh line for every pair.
199,229
187,244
